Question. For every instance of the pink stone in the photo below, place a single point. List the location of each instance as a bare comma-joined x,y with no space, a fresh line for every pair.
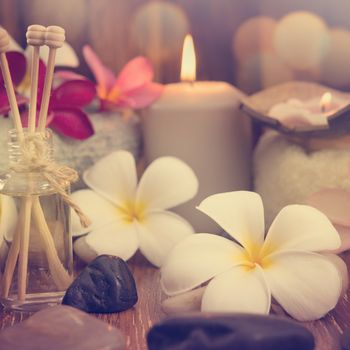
62,327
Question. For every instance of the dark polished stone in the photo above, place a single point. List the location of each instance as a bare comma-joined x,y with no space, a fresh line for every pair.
345,340
204,331
61,327
106,285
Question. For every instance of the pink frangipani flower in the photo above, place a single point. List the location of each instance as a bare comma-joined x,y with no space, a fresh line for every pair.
131,88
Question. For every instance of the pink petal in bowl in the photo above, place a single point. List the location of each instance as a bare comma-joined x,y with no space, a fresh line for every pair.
333,202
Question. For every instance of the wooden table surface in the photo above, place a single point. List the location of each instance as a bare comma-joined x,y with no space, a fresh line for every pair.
135,323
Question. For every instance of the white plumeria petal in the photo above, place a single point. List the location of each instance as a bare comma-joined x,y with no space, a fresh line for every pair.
307,285
196,260
240,213
238,290
14,46
114,177
99,210
344,234
8,217
65,57
159,232
166,183
83,250
185,302
301,227
342,268
115,238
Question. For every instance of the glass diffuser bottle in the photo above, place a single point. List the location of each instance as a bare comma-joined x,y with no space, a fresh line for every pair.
37,264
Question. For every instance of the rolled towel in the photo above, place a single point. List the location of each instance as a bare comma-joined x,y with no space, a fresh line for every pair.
112,132
285,173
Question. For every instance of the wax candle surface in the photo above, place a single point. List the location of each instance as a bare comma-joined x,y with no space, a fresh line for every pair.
201,124
198,95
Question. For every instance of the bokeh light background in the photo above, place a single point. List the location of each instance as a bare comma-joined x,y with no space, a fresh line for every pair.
251,44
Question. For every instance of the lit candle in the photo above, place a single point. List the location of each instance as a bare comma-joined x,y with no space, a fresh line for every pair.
201,123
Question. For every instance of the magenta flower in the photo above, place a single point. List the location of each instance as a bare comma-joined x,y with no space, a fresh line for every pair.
131,88
65,109
65,114
17,65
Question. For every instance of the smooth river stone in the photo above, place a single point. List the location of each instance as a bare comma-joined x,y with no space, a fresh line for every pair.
62,327
229,332
345,340
106,285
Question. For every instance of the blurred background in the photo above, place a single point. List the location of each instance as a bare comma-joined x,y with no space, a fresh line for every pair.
251,44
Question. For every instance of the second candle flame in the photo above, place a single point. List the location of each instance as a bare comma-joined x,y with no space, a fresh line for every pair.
188,63
326,101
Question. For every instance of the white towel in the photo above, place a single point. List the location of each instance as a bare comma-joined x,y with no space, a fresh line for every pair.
111,133
284,173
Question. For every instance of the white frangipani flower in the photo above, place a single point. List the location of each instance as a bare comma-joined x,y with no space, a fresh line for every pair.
126,215
243,276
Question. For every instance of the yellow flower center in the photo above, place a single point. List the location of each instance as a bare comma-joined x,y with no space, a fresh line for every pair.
132,211
256,256
101,92
114,94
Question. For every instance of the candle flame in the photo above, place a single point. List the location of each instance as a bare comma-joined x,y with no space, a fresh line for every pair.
188,64
326,101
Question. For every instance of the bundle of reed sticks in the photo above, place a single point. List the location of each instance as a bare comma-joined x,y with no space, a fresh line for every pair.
30,207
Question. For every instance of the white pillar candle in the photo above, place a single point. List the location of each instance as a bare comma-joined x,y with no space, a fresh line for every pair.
201,123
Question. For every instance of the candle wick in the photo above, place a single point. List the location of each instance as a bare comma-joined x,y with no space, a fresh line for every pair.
323,108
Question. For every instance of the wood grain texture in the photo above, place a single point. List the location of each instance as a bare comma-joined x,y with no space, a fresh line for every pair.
133,323
108,27
136,322
10,17
71,15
